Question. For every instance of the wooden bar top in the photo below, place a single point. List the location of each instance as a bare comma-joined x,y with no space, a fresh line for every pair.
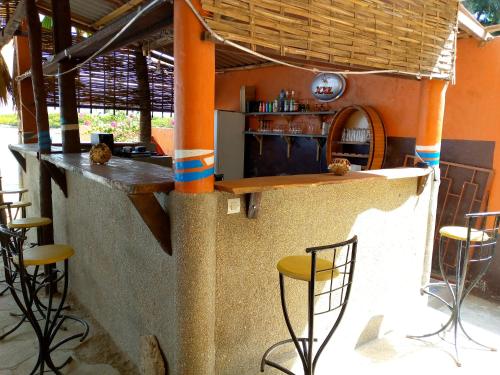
260,184
128,175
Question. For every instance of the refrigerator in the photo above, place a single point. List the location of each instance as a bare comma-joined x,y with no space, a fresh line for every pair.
229,144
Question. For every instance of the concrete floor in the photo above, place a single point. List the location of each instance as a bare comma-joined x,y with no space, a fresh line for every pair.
391,354
97,355
394,353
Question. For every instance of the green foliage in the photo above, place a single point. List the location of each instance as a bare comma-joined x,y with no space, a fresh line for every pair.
9,119
54,120
5,81
124,127
47,23
486,11
12,119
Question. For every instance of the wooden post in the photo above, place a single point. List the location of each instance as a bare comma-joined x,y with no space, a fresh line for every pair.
67,90
141,67
194,82
27,125
42,118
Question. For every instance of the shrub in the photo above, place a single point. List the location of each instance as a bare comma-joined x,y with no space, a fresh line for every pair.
9,119
125,127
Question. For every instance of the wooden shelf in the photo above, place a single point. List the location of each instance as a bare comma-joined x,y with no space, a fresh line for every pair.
347,155
263,184
290,113
352,143
289,139
357,117
286,134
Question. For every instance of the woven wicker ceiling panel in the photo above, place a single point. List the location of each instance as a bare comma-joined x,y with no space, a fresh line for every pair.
110,82
7,8
415,36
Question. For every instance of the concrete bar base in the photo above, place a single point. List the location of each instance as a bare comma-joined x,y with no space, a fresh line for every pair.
214,304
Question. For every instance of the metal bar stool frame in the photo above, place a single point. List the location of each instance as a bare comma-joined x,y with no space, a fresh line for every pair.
458,290
11,217
304,346
25,296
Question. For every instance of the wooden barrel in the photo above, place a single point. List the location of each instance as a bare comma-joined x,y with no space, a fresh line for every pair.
376,154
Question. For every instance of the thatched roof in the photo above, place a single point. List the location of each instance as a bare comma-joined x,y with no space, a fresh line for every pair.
5,81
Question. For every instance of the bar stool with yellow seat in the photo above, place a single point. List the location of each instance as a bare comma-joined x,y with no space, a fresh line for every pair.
29,222
26,223
474,247
18,205
22,225
47,322
330,264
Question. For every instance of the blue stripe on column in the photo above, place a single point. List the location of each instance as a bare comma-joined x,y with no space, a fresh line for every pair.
193,176
44,141
433,163
188,164
428,155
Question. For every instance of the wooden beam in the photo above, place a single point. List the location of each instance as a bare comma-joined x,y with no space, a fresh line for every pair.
20,159
39,92
13,24
245,67
493,28
116,13
27,125
83,24
67,87
152,21
468,23
58,175
143,91
154,217
46,235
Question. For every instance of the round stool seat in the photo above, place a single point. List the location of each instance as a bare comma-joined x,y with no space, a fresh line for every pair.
46,254
299,267
16,205
29,222
14,191
460,234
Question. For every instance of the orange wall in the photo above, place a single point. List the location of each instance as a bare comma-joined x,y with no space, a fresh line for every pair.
394,98
472,105
164,140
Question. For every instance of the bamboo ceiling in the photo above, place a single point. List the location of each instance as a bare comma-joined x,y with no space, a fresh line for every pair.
7,8
110,82
415,36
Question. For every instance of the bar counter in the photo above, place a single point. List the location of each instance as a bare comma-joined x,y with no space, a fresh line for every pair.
213,304
127,175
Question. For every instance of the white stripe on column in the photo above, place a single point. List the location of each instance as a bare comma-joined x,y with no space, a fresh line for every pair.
180,154
66,127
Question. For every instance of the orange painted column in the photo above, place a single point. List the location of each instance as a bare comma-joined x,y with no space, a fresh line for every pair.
194,90
27,126
430,121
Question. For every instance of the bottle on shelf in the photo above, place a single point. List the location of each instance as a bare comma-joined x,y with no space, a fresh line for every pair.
291,105
275,105
282,101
